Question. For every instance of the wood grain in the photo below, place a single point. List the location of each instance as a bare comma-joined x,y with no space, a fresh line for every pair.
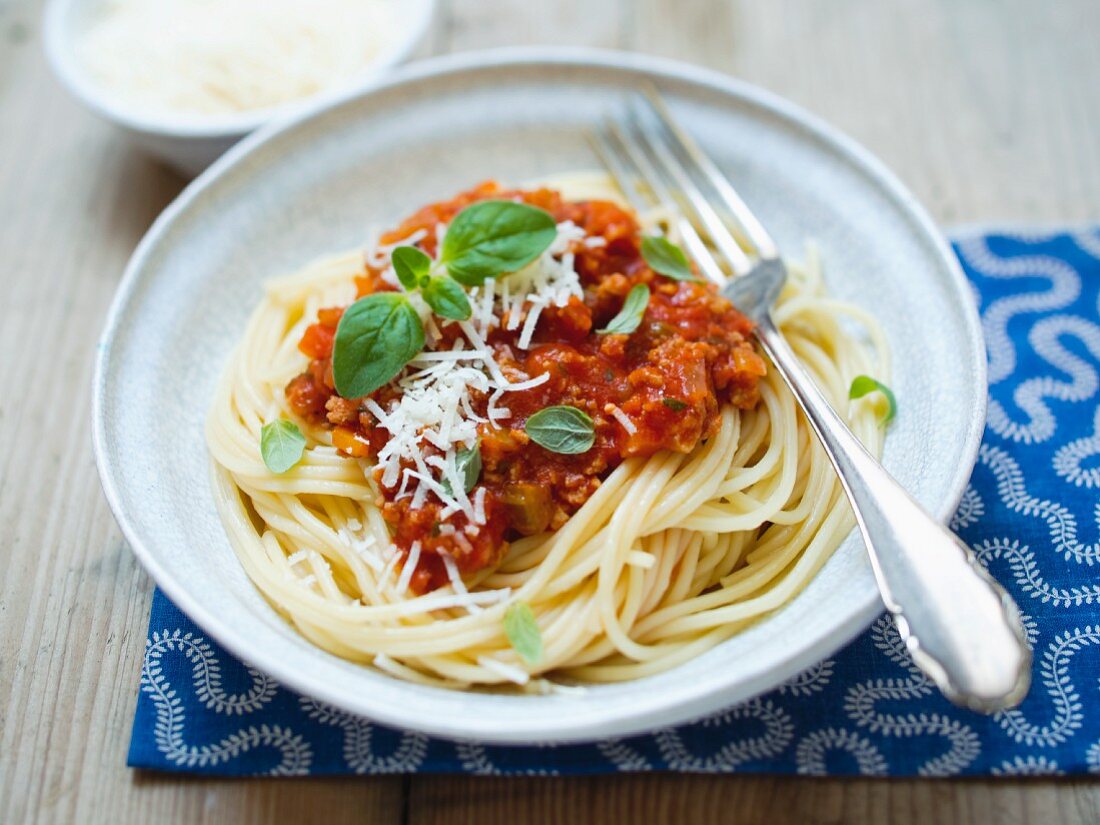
989,111
747,800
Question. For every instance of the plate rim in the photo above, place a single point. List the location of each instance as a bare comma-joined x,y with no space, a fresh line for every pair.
623,722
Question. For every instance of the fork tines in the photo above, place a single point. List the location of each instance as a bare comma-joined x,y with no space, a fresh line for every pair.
656,163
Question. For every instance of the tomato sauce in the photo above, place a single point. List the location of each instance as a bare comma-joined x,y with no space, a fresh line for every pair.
690,355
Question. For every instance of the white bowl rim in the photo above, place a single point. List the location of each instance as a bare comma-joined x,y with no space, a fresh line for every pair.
694,701
114,107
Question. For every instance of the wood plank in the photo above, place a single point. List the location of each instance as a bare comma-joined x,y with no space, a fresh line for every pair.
748,800
484,24
986,110
352,799
75,201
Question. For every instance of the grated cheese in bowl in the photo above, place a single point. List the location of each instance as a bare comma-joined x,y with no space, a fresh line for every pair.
217,57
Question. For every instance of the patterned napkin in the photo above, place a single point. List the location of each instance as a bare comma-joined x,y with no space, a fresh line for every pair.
1031,513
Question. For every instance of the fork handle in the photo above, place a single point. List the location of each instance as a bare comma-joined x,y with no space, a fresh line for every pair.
961,628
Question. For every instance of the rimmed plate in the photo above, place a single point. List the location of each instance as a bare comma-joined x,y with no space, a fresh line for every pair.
311,186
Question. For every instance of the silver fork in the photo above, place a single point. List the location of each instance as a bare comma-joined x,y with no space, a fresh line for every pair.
961,628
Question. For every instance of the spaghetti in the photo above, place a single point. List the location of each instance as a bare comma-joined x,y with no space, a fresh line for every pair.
668,553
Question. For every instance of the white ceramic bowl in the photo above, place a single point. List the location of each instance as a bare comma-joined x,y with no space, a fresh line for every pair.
311,186
190,142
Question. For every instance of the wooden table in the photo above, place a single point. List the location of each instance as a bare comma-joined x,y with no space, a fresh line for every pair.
988,110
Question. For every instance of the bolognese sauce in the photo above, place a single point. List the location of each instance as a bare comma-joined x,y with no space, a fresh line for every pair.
660,387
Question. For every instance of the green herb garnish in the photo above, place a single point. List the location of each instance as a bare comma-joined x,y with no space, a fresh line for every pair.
562,429
379,334
631,314
468,467
411,265
376,337
864,384
447,298
491,238
281,445
666,258
674,404
523,632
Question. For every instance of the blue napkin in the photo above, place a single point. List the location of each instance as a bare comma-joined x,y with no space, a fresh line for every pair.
1031,513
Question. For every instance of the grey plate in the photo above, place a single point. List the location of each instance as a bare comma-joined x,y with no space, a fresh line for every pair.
312,185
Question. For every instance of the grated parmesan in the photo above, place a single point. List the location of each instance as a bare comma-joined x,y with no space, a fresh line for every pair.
362,547
408,568
621,417
509,672
435,406
216,57
479,505
457,584
387,571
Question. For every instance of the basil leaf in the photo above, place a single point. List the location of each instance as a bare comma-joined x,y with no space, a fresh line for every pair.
523,632
666,258
468,467
564,430
864,384
674,404
376,337
490,238
447,298
281,445
631,314
411,265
